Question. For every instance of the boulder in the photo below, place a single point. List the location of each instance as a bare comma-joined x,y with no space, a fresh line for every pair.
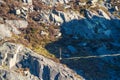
43,33
18,12
116,8
54,2
105,15
4,31
94,1
56,18
17,23
108,5
11,26
27,2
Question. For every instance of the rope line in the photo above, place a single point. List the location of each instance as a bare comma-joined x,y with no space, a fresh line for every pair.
99,56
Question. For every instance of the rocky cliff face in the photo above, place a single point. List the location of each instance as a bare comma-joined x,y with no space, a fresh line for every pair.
20,63
81,28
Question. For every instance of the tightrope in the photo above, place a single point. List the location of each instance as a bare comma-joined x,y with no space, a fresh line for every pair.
96,56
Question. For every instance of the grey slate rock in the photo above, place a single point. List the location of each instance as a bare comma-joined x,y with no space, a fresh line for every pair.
11,26
40,68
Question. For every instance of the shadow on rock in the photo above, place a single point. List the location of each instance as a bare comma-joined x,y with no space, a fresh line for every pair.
30,63
88,37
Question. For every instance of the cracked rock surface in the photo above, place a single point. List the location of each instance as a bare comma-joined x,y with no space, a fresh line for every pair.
20,63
